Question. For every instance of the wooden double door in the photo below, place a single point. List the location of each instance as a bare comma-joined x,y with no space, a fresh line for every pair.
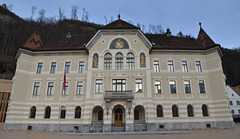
118,117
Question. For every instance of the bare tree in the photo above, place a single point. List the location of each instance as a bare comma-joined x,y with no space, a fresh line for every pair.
9,7
87,16
74,12
160,29
61,14
143,28
34,8
83,14
105,19
41,15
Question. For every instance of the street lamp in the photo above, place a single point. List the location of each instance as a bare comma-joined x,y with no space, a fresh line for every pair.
107,110
129,111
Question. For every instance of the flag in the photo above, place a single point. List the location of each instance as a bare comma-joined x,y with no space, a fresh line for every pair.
64,81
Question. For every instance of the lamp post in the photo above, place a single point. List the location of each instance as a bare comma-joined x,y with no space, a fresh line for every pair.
129,111
107,111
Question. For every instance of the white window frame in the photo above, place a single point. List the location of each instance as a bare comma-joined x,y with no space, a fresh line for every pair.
170,66
39,68
65,92
77,89
99,91
184,66
139,86
81,68
156,67
51,67
157,92
66,69
52,90
36,89
198,65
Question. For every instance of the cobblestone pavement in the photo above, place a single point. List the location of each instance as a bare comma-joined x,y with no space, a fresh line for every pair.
190,134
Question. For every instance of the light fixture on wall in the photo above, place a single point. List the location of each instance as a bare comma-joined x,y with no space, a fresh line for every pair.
107,111
129,111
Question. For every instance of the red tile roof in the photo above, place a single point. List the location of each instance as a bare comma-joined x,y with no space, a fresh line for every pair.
119,24
203,39
34,41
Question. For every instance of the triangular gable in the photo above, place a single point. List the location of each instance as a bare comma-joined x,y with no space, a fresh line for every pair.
203,39
34,41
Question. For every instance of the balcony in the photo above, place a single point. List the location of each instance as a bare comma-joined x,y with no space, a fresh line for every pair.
118,95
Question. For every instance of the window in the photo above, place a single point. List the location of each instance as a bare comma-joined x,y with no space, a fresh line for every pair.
39,68
65,91
198,66
138,83
100,115
155,66
99,84
170,66
79,88
118,85
81,67
119,61
238,89
237,102
190,111
53,67
136,114
204,110
32,112
130,61
184,66
159,111
67,67
50,88
232,111
78,112
230,102
36,88
157,87
47,112
175,111
172,86
108,61
201,86
187,87
239,111
63,112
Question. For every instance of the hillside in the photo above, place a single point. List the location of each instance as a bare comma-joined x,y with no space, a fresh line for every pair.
14,32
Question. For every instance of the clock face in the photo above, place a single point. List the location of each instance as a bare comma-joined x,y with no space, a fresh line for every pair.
119,44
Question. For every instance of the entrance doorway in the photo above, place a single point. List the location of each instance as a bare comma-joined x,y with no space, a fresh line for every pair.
118,117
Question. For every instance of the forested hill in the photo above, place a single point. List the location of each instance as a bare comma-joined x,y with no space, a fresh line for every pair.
14,32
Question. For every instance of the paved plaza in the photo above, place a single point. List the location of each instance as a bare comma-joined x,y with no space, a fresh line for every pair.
191,134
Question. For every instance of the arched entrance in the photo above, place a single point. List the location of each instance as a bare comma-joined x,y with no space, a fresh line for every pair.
118,115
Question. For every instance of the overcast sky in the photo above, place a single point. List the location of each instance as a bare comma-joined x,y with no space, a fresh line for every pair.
219,18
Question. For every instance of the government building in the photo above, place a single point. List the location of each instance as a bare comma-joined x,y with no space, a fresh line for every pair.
119,79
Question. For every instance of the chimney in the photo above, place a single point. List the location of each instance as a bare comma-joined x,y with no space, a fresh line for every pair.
4,6
168,33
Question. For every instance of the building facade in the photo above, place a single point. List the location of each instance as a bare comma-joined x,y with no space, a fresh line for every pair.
5,91
234,102
119,79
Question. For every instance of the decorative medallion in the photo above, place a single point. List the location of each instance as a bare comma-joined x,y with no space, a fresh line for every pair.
119,44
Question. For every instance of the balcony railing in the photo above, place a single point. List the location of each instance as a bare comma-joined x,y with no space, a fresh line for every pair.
118,95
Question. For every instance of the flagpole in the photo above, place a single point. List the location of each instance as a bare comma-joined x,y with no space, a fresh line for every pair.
60,108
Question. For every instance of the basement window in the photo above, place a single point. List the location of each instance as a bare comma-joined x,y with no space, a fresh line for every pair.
161,126
29,127
208,125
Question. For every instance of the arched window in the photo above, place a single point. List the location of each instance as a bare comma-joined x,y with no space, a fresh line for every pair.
159,111
136,114
47,112
119,61
139,114
100,115
130,61
204,110
32,112
190,111
95,61
108,61
78,112
175,111
63,112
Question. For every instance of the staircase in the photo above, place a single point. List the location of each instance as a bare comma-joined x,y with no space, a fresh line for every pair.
118,129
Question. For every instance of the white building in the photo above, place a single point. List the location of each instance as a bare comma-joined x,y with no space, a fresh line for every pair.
119,79
234,102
